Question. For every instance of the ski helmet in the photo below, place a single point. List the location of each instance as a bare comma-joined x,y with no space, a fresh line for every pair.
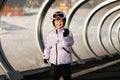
59,15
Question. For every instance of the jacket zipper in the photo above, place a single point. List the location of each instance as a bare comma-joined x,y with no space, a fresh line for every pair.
56,54
56,50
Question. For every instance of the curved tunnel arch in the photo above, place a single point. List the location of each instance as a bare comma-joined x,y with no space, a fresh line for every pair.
3,58
118,34
114,37
69,18
41,17
117,31
8,69
101,25
73,11
88,20
110,30
94,11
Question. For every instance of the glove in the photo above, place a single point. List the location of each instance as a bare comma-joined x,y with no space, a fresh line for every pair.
66,32
45,61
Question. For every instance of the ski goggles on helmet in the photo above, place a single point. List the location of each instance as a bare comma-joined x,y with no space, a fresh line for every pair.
59,15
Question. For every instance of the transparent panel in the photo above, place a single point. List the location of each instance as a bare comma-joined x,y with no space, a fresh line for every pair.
18,34
18,30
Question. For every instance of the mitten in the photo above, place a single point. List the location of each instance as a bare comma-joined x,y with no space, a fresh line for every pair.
45,61
66,32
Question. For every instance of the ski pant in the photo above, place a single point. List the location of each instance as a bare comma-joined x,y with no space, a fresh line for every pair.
63,70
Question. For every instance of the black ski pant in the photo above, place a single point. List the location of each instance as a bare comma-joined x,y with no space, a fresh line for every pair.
63,70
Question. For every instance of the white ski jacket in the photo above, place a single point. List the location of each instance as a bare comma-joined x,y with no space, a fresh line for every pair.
58,48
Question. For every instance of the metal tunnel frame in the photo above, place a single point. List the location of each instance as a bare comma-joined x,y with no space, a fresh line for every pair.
17,76
69,18
110,30
101,25
118,35
94,11
6,66
73,11
70,15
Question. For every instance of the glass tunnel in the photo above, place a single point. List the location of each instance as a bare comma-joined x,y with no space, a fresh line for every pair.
25,24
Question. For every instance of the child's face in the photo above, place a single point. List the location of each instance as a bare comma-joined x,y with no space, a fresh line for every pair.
58,23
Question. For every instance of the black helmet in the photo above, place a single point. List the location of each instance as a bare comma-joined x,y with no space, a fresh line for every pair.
59,15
